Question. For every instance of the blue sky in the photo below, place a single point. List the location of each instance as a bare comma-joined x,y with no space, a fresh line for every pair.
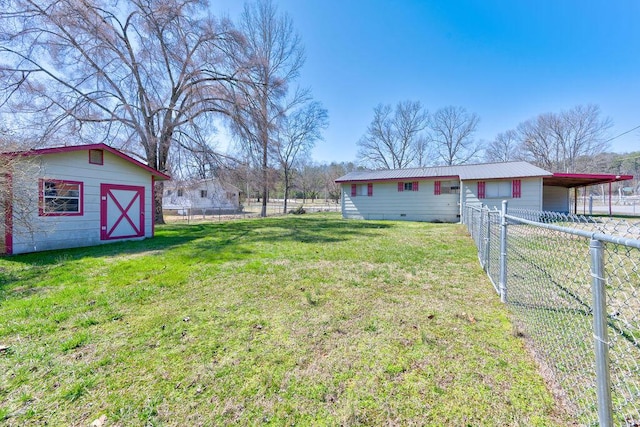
507,61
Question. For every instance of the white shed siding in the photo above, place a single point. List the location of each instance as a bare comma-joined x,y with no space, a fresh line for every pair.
54,232
390,204
555,199
531,195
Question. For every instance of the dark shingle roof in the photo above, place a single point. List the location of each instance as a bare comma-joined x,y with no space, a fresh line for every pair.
464,172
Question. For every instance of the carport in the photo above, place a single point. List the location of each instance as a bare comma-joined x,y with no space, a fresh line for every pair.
579,180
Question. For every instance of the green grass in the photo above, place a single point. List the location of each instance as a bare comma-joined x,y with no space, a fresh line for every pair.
305,320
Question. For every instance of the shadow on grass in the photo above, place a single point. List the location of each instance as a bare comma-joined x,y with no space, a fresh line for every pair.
225,241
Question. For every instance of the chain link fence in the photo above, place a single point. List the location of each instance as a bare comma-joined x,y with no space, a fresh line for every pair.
573,286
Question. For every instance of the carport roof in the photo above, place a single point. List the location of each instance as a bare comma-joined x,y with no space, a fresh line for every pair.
572,180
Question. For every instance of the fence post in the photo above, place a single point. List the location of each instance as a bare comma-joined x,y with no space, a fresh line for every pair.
479,237
503,252
487,242
600,335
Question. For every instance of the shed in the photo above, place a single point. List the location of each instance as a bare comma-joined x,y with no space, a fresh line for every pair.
74,196
439,193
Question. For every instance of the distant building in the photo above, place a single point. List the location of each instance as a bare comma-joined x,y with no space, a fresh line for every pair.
201,197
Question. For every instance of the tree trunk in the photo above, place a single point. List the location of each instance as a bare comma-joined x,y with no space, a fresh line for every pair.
158,190
286,189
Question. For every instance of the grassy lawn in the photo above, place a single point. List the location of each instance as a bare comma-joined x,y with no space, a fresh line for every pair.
305,320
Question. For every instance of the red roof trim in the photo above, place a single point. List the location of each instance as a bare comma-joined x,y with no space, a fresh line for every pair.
71,148
599,176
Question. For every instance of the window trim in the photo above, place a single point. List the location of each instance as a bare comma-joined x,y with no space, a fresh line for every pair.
42,198
481,189
516,188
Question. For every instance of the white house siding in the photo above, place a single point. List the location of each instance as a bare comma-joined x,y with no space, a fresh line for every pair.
388,203
55,232
555,199
531,195
219,197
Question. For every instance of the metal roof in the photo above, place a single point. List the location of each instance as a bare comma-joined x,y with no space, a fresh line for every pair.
571,180
463,172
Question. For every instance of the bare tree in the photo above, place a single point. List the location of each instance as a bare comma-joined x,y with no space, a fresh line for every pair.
504,148
332,172
295,137
452,129
556,141
137,74
537,141
18,206
310,180
393,139
271,58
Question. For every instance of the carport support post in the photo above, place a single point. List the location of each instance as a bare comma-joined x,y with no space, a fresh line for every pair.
600,335
503,252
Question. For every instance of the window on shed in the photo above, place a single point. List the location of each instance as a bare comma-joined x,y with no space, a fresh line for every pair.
203,194
58,197
96,157
180,192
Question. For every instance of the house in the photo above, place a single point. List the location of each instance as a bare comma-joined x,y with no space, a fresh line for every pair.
75,196
205,196
439,193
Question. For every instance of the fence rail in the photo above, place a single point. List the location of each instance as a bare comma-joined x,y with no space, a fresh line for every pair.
572,284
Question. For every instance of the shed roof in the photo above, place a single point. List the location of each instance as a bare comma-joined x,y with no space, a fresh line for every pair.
71,148
463,172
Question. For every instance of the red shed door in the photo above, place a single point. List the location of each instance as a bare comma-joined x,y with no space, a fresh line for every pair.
121,211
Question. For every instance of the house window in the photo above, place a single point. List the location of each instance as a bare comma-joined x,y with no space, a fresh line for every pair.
498,189
96,157
180,192
59,197
408,186
203,194
362,190
449,187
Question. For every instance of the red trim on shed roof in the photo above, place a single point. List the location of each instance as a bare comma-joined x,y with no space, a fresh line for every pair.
71,148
